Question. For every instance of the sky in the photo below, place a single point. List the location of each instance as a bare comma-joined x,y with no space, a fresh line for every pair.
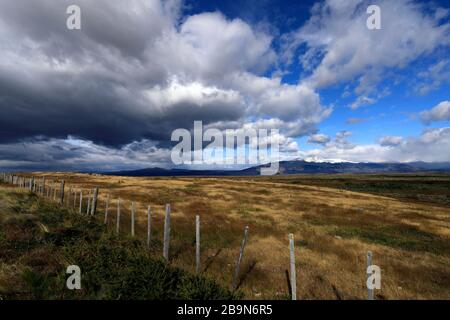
109,96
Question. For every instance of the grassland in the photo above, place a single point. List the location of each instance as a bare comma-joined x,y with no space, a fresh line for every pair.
403,219
40,239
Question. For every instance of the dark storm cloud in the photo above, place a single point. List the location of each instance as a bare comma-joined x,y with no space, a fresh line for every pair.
93,109
111,93
91,83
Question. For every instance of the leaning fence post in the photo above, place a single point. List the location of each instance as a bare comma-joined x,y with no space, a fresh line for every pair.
118,216
133,212
62,192
149,226
94,202
166,233
106,209
197,243
369,263
238,263
292,265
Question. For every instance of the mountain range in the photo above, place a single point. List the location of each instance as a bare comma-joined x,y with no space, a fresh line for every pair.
297,167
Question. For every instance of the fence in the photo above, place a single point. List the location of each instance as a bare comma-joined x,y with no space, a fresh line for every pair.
75,197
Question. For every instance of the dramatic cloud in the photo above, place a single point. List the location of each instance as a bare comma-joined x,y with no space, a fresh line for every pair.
137,71
441,112
341,48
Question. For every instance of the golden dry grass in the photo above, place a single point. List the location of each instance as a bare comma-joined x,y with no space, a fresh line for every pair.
333,229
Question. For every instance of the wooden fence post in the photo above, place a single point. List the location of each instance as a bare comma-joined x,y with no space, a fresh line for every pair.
238,263
106,209
292,267
166,233
369,263
81,201
149,226
62,192
133,212
197,243
118,217
94,202
89,202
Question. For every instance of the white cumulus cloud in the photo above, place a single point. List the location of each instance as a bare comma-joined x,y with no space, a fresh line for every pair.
441,112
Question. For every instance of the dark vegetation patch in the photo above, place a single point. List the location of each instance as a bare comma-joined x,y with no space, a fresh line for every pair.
400,236
422,188
263,191
193,189
378,229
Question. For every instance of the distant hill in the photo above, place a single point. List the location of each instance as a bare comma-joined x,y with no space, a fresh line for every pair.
297,167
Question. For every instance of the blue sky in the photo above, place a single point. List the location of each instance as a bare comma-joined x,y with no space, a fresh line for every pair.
396,114
109,96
